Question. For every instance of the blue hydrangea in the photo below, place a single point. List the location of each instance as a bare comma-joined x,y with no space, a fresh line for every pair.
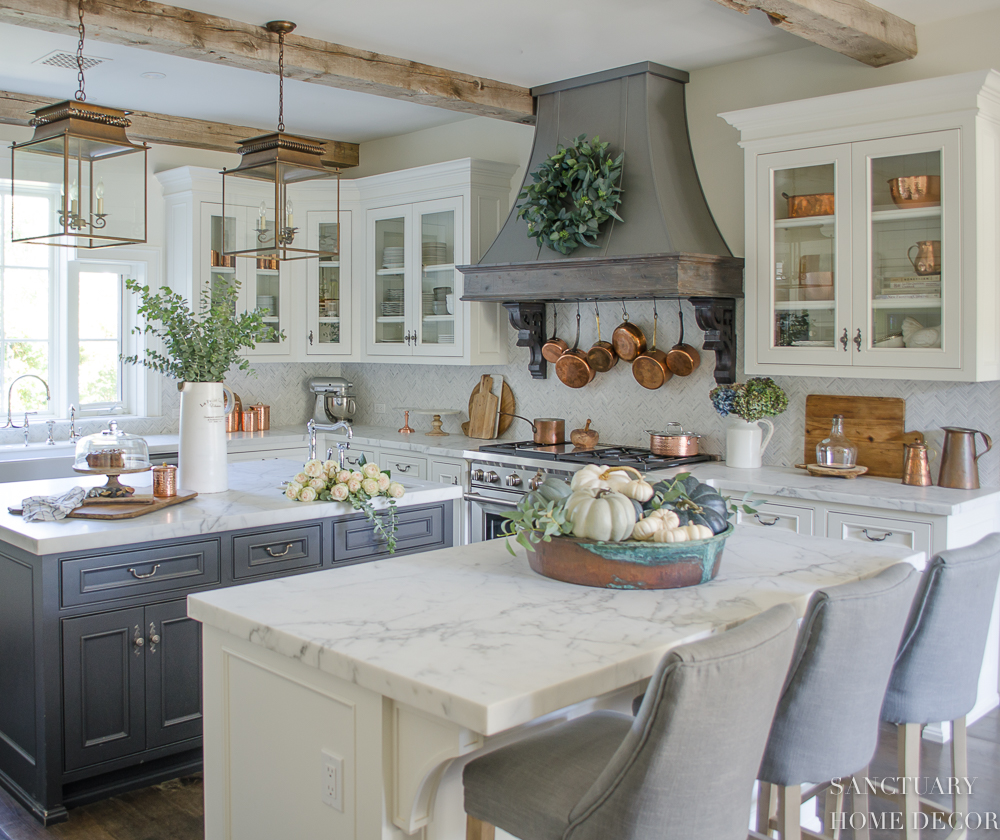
723,398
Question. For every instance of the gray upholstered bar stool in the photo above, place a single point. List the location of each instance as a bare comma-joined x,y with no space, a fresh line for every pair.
682,768
936,675
826,724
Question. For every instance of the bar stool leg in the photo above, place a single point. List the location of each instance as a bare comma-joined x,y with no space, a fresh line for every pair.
908,754
477,829
766,805
789,807
834,807
860,803
960,768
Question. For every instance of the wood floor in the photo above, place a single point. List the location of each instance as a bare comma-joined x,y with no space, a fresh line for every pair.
174,810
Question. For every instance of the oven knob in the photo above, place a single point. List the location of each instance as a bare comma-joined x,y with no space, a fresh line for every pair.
492,477
513,480
537,481
478,475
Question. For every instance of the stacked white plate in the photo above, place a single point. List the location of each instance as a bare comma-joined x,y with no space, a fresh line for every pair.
393,294
428,303
392,256
435,253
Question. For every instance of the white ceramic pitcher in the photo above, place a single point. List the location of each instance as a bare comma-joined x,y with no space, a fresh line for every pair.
745,442
201,459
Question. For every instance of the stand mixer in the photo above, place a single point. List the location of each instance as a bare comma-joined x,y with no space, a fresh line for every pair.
334,399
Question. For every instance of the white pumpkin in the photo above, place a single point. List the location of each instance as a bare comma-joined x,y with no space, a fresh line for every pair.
600,514
591,476
669,517
641,491
645,528
670,535
697,532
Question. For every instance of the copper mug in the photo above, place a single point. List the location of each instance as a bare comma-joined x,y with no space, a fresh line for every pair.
928,259
916,470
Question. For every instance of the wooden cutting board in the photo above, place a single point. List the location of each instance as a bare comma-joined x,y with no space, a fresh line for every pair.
121,508
876,425
506,409
483,417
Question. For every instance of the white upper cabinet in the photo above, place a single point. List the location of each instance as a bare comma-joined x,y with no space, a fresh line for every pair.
871,232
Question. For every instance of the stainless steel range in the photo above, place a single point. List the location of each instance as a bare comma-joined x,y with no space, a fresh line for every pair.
505,472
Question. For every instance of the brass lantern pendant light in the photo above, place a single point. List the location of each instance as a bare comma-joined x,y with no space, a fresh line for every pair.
277,164
79,182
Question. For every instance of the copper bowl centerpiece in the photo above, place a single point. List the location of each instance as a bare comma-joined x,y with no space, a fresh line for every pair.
630,564
916,190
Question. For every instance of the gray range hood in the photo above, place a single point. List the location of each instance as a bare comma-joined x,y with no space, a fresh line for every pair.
668,245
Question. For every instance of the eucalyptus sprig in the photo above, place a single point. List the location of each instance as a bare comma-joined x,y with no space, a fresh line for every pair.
532,523
574,192
199,346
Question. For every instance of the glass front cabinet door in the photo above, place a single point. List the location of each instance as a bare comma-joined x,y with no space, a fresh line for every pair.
328,285
858,257
414,290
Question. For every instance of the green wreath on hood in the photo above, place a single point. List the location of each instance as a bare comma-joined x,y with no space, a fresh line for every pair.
574,192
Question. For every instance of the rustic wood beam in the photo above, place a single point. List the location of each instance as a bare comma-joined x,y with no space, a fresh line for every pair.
15,109
159,28
854,28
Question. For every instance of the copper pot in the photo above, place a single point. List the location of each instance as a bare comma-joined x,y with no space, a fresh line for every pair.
677,444
572,367
545,431
628,340
602,356
554,347
683,359
650,369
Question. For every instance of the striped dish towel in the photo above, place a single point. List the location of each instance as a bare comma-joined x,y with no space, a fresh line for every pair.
51,508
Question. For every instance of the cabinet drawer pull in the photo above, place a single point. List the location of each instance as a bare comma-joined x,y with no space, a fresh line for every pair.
354,461
403,467
273,553
149,574
884,536
774,521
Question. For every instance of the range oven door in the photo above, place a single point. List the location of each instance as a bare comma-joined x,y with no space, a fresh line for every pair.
485,509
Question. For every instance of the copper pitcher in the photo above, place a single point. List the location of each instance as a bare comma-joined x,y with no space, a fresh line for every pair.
916,470
928,259
959,467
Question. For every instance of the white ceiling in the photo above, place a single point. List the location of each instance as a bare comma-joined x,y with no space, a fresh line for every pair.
525,42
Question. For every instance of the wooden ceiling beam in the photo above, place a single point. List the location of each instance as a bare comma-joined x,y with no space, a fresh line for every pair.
15,109
171,30
853,28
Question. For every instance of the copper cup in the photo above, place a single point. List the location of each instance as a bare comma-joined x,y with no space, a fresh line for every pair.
249,421
916,470
164,481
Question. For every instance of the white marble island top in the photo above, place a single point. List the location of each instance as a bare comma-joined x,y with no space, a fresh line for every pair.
255,499
472,635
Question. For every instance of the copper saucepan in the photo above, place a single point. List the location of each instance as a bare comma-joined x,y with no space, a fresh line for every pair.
572,367
650,369
554,347
546,431
628,339
682,359
602,355
673,444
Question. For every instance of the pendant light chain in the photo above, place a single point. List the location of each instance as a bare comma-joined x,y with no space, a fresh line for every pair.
281,80
81,95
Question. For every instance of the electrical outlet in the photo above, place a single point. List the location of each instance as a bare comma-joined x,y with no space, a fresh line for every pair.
380,408
332,780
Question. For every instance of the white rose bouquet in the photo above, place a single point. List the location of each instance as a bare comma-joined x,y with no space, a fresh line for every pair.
326,482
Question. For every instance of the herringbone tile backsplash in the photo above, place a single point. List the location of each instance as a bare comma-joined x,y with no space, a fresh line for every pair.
620,409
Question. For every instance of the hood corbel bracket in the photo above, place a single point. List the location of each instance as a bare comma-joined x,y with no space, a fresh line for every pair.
717,317
529,321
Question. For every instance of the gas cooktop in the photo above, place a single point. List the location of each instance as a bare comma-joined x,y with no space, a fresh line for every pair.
610,455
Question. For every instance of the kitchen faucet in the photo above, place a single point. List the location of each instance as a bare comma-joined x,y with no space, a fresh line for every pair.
312,426
10,391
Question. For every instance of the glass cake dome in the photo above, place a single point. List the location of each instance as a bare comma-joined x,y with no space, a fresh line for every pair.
112,449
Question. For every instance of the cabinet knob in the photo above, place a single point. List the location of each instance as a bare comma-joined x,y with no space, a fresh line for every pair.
138,642
857,340
310,338
844,339
154,637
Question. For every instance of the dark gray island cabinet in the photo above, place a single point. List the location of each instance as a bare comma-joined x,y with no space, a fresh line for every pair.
100,667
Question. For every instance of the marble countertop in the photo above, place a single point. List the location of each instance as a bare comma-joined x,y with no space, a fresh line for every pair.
472,635
864,491
255,499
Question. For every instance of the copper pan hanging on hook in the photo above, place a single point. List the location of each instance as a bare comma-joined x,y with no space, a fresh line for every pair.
629,341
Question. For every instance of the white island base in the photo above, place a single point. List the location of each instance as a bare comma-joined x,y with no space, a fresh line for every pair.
336,703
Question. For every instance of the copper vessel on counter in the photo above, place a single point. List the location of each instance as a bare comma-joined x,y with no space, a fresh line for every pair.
959,459
263,413
545,431
164,481
234,411
916,470
673,444
249,421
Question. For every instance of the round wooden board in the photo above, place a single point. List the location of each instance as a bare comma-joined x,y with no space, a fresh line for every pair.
831,472
506,407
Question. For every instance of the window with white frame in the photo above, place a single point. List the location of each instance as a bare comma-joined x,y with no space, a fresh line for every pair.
67,321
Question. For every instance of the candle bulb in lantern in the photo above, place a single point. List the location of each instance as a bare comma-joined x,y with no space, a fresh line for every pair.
99,192
289,217
74,202
263,216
